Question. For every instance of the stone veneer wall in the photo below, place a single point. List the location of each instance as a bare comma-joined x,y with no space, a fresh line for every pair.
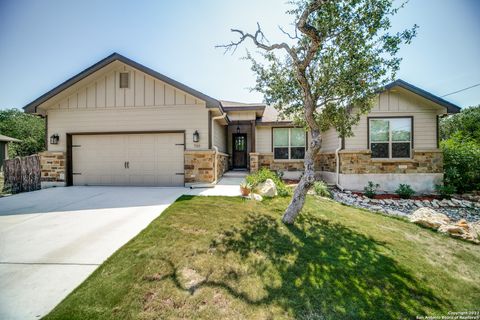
198,166
52,168
361,162
265,160
326,162
222,164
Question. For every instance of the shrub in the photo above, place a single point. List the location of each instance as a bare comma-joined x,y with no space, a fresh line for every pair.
461,164
405,191
321,189
445,191
254,179
370,189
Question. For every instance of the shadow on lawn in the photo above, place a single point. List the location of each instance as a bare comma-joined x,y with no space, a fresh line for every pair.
326,271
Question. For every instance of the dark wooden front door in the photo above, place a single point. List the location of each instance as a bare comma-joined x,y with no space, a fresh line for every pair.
239,158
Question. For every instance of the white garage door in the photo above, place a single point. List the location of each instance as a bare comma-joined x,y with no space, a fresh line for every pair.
128,159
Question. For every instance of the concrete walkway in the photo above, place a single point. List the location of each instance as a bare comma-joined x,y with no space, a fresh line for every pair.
228,185
51,240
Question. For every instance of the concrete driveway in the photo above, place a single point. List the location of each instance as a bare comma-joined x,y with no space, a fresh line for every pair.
51,240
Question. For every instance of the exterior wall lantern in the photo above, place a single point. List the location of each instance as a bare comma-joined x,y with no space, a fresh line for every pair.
238,129
54,138
196,136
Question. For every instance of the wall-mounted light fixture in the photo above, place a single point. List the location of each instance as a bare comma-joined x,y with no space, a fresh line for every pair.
54,138
238,129
196,136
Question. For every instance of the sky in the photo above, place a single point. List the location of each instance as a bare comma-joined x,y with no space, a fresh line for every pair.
43,43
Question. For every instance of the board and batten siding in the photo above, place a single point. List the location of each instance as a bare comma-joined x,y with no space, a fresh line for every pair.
147,105
220,137
400,103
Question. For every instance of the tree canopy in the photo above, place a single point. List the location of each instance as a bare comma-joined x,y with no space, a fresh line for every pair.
335,57
26,127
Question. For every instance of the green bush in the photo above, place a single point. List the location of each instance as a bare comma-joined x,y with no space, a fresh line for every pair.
370,189
405,191
445,191
254,179
461,160
321,189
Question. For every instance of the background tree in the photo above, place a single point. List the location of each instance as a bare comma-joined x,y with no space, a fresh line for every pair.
460,144
26,127
327,71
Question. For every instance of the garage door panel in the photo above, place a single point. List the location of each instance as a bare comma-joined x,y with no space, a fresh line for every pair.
153,159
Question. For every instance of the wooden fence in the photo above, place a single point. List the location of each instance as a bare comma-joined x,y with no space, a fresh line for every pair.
22,174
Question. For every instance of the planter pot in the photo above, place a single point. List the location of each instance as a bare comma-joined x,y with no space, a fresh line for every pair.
244,191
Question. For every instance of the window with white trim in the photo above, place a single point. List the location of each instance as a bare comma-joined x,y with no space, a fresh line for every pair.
289,143
390,138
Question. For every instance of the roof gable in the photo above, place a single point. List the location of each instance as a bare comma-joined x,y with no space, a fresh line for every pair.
32,107
451,108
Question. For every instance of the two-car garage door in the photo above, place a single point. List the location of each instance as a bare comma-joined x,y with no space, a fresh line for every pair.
151,159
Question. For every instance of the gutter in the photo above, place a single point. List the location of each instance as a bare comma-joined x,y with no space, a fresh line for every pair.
337,162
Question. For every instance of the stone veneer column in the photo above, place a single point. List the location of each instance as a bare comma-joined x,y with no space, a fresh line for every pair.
52,169
253,162
198,166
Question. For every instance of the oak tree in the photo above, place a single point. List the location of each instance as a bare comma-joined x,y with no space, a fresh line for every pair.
327,71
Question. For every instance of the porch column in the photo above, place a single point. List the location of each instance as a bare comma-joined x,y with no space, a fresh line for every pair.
254,142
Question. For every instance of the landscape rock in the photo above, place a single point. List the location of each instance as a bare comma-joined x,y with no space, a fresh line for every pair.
429,218
256,197
267,188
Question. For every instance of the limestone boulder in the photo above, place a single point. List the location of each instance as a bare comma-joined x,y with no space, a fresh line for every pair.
267,188
462,230
256,197
429,218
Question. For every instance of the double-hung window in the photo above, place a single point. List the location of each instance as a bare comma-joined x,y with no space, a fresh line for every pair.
390,137
289,143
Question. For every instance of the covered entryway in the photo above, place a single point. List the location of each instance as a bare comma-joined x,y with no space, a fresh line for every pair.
133,159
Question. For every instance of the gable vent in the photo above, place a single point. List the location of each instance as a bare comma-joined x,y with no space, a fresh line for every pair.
124,80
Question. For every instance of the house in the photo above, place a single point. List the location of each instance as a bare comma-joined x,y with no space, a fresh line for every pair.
121,123
4,141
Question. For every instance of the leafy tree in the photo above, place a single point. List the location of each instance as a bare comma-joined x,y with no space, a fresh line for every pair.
328,70
465,125
26,127
461,149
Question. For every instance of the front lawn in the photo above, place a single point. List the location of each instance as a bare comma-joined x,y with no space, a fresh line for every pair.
229,258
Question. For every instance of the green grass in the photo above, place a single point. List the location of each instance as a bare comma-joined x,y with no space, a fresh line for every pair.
228,258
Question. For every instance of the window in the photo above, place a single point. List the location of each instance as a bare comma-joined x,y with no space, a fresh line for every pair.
289,143
123,80
391,138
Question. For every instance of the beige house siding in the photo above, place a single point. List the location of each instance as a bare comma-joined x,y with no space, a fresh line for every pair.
241,116
263,136
100,105
164,118
329,140
220,137
393,104
103,91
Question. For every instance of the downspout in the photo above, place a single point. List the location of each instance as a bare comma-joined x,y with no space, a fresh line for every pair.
337,161
215,147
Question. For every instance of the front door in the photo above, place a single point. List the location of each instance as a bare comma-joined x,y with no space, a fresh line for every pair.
239,158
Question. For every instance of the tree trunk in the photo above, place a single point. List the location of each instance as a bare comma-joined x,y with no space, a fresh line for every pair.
307,180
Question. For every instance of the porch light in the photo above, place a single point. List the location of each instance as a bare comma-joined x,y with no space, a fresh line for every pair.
238,129
54,138
196,136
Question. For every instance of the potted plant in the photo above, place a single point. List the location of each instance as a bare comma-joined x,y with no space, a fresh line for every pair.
245,188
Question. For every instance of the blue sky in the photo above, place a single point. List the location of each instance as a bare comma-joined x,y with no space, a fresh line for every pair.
42,43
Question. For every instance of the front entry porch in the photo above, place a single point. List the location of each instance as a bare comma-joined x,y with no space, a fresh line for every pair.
241,142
